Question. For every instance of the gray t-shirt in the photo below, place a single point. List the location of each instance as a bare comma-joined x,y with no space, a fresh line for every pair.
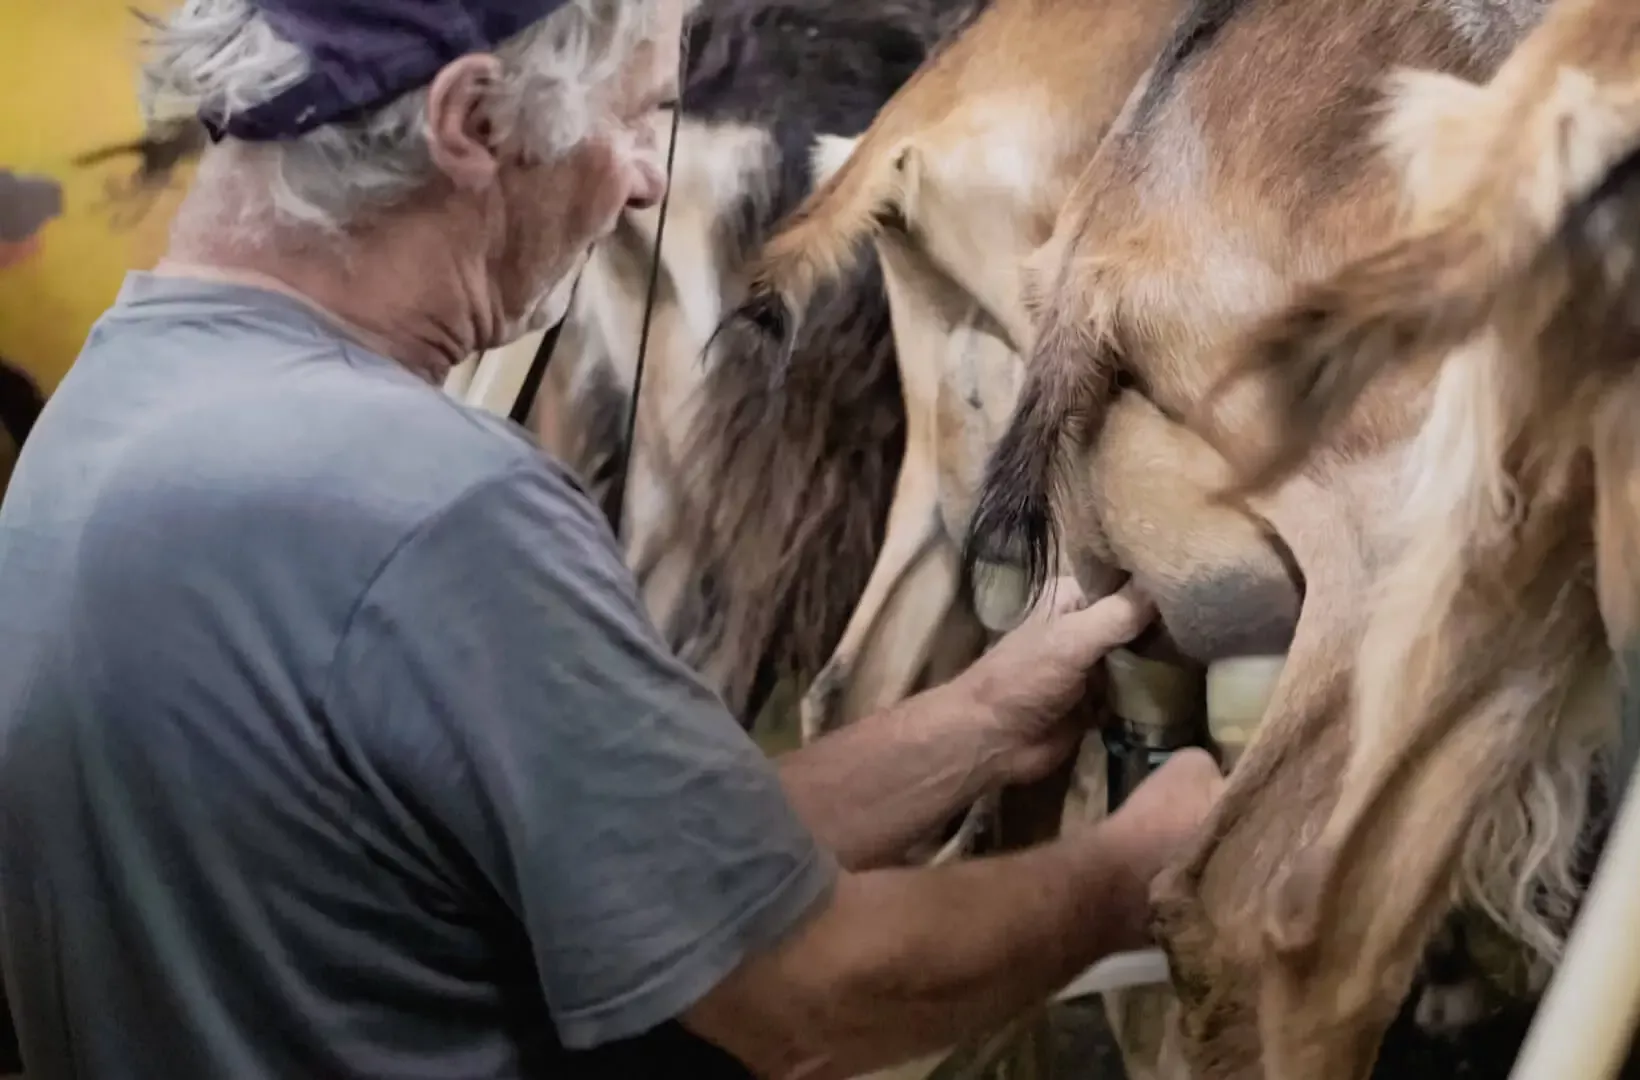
334,741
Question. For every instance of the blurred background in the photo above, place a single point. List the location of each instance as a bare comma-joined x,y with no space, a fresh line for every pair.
70,87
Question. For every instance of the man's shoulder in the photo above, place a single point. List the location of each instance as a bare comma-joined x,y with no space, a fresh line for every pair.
335,461
225,392
339,431
263,458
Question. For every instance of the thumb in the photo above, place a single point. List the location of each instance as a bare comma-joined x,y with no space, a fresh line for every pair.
1095,630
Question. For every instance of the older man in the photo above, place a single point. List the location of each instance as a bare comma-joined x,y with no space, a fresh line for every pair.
335,740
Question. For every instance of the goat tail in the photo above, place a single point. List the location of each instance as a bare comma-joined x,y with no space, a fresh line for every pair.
1066,388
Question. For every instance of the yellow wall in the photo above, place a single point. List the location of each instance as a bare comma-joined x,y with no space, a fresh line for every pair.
70,74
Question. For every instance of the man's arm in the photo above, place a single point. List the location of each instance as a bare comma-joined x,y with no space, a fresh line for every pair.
508,694
872,790
903,962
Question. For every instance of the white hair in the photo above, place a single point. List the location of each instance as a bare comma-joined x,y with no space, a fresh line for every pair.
215,58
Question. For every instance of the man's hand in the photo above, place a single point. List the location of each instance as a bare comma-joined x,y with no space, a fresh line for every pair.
1153,827
1036,674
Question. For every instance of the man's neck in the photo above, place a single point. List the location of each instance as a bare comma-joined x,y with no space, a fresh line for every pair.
398,289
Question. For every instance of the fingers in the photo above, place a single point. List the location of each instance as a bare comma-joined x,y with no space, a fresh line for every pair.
1094,630
1061,596
1194,766
1166,811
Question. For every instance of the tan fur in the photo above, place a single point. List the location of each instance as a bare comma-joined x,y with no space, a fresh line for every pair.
1225,287
976,152
1499,167
973,154
958,380
1482,696
1205,209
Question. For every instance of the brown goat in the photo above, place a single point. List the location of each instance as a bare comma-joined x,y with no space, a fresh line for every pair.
1483,694
1243,168
975,154
959,178
970,161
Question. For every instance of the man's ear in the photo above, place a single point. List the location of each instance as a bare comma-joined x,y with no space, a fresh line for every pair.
461,132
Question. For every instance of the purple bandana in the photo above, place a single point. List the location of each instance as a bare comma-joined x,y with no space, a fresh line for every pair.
365,53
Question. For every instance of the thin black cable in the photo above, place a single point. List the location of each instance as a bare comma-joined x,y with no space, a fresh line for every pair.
619,502
525,401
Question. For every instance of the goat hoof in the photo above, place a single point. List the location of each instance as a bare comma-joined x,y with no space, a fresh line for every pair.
999,596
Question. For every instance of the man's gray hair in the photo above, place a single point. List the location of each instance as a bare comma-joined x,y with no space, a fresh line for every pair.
219,57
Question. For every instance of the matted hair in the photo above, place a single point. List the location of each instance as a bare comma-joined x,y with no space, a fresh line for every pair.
215,58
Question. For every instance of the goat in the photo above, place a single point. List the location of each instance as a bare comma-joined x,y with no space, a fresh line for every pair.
1483,701
751,580
959,176
1242,167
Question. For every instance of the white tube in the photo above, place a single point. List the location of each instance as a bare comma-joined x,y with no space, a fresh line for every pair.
1583,1027
1119,971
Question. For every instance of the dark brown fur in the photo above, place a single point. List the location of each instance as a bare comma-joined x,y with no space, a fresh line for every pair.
784,487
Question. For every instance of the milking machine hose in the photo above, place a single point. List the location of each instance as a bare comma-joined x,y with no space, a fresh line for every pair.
1586,1022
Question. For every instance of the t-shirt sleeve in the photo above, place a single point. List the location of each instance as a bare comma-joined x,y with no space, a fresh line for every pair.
512,692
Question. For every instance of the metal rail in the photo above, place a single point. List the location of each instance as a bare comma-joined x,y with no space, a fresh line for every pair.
1584,1027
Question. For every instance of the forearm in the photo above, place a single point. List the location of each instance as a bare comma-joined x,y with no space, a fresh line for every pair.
904,962
872,790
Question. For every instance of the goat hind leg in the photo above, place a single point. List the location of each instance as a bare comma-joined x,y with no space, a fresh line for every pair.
1442,739
913,532
904,635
